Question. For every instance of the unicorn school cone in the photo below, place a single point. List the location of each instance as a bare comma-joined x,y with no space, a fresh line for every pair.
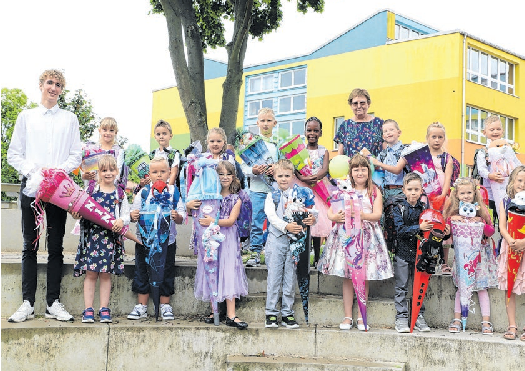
516,228
56,187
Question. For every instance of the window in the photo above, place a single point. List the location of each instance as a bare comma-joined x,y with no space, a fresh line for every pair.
337,122
262,83
405,33
292,78
475,124
292,127
256,105
490,71
292,103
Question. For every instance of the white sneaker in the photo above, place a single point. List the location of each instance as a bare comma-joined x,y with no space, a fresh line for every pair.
26,311
421,324
402,325
58,312
138,312
166,311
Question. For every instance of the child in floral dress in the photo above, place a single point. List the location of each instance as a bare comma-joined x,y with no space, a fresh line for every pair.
101,251
334,258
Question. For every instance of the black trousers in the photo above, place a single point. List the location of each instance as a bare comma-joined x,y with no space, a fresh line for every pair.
56,226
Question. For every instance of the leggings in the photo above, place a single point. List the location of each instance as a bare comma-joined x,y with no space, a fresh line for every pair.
484,303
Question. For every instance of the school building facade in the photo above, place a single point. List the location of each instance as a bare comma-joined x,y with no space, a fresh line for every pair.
415,75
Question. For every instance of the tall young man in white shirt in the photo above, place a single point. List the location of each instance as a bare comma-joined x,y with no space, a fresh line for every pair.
44,137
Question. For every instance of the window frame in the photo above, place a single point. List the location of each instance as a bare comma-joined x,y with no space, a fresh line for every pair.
261,77
292,71
260,101
507,122
494,83
291,104
336,127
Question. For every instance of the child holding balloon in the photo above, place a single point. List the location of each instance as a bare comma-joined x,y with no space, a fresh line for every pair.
368,244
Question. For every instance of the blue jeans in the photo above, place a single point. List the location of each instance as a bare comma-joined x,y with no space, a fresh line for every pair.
257,237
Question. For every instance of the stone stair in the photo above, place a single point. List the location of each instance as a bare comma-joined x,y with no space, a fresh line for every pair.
326,307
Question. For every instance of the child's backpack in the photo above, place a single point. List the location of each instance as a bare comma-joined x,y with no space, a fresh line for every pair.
475,171
244,221
390,231
171,154
456,167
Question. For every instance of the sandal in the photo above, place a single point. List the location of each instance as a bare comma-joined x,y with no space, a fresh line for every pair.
486,328
511,335
446,270
522,337
455,326
361,326
346,326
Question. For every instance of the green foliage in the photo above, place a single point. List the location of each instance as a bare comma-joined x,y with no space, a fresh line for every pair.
210,15
81,106
13,102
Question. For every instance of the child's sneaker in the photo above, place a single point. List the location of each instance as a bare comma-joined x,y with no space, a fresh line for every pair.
105,315
26,311
166,311
255,260
58,312
138,312
88,315
271,321
402,325
421,324
289,322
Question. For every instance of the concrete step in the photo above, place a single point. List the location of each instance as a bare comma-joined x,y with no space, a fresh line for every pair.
325,305
264,363
185,344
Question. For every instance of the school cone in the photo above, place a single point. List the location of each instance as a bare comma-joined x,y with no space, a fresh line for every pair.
421,276
516,228
56,187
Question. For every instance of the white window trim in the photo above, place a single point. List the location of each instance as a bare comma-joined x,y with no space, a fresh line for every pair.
260,106
262,89
293,78
291,104
489,78
479,132
336,145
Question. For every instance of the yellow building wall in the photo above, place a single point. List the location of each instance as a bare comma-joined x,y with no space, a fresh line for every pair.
414,82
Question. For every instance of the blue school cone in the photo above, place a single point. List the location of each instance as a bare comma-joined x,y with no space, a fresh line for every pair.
464,322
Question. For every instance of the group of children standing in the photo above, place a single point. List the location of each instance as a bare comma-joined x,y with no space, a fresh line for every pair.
100,252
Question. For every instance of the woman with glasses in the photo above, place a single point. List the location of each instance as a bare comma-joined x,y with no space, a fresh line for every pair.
361,131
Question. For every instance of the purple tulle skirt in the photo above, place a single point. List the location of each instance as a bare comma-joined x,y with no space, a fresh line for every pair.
232,281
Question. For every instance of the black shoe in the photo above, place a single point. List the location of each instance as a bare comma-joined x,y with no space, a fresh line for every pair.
271,321
209,319
240,325
289,322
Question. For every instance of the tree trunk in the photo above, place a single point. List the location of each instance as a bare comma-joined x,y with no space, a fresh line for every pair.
236,51
189,74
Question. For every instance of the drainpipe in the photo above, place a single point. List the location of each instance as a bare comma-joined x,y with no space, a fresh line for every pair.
464,168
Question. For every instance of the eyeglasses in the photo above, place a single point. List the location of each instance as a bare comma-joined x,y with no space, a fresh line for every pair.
355,104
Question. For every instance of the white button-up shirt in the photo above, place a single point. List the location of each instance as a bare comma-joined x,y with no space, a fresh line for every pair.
45,138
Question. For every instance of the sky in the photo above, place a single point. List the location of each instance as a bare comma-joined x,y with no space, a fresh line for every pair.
118,53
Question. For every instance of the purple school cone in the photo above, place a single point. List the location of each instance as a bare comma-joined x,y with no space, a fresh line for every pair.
211,239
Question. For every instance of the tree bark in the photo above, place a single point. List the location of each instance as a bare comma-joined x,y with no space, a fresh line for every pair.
236,52
189,73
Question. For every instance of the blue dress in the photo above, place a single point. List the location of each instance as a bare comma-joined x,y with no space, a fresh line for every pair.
99,249
354,136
